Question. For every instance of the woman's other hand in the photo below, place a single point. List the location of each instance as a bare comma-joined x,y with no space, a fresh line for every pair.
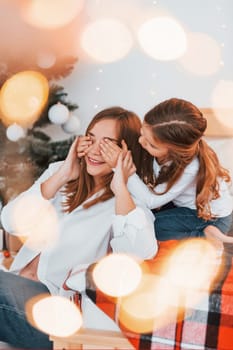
70,168
68,171
84,142
124,167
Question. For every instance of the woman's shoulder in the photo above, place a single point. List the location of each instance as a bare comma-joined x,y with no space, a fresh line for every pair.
52,167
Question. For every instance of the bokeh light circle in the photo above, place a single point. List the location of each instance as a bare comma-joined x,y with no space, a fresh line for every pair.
15,132
72,125
51,14
106,40
203,55
58,113
222,103
117,275
46,60
54,315
22,98
162,38
152,305
222,96
196,255
36,219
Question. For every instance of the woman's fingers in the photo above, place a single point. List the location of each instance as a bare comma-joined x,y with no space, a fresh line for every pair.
72,150
83,145
128,159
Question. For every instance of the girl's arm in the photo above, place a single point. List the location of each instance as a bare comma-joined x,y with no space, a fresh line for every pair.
152,200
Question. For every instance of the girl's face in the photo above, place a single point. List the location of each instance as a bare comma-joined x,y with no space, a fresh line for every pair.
157,149
96,166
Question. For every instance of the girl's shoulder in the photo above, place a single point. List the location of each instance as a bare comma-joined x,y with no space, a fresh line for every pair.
192,167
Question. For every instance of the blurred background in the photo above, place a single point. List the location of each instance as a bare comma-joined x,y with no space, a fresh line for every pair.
61,61
132,53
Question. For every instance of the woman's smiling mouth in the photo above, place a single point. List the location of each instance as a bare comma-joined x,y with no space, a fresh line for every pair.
94,162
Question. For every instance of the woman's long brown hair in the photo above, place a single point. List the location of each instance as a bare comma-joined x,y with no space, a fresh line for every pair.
180,125
128,129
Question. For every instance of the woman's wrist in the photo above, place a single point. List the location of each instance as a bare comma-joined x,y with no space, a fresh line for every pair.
52,185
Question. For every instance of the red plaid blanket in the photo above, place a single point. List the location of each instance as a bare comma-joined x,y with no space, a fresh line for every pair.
207,324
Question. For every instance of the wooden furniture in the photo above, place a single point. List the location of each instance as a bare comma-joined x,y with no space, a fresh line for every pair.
92,339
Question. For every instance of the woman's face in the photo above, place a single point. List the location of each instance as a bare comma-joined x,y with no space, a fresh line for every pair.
157,149
96,166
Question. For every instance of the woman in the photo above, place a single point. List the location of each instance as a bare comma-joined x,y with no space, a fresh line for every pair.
96,215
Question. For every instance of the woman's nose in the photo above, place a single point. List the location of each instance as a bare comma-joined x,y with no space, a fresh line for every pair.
96,147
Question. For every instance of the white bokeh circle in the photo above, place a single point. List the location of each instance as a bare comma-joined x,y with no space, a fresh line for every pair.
203,55
72,125
14,132
162,38
58,114
46,60
106,40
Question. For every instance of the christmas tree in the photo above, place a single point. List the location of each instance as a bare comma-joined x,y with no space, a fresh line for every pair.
21,162
51,51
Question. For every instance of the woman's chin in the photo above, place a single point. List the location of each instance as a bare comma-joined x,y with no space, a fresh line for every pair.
98,171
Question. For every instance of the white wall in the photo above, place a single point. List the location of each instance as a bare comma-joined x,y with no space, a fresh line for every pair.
137,81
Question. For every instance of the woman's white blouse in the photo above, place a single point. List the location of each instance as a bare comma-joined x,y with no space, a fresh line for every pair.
182,193
83,236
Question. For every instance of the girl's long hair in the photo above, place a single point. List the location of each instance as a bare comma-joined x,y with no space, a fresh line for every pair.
128,129
180,125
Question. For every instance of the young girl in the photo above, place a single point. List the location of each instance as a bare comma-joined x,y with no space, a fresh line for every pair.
186,185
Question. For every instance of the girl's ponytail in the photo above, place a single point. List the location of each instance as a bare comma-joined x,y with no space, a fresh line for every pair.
208,175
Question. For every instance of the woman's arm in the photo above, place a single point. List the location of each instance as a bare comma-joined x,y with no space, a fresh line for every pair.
34,192
133,225
134,233
45,188
123,200
69,170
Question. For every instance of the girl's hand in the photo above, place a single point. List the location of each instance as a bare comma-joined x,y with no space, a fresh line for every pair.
83,144
110,151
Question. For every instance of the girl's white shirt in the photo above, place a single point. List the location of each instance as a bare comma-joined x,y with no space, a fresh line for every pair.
182,193
84,236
